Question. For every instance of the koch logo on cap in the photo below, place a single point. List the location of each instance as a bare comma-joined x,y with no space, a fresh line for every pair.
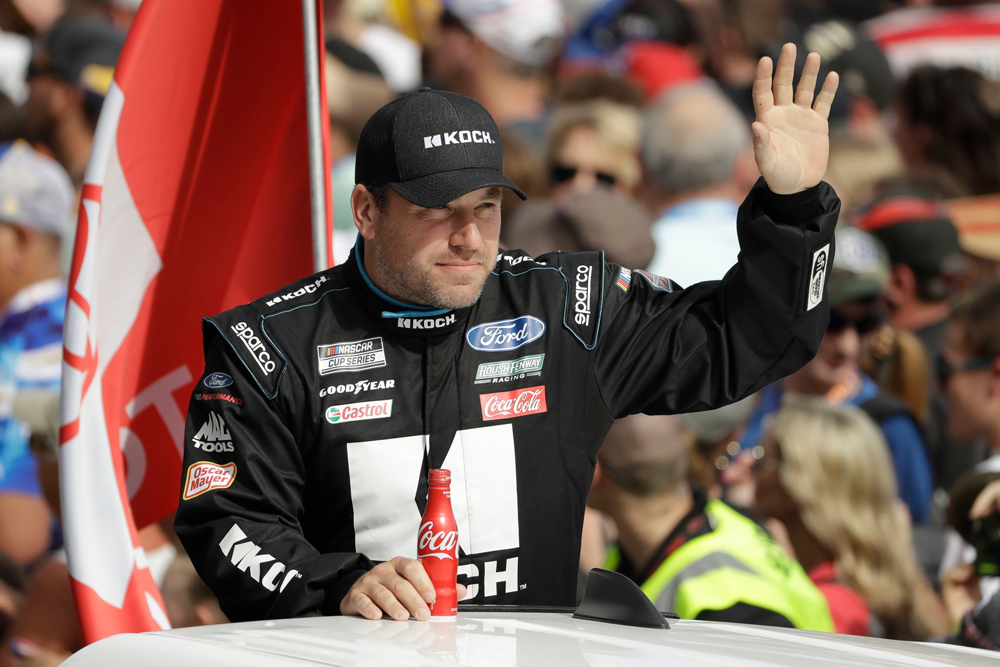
431,147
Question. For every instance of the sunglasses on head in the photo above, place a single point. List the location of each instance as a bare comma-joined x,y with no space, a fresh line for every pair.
561,173
945,369
863,325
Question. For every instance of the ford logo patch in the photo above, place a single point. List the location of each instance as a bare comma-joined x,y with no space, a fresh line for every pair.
218,381
506,334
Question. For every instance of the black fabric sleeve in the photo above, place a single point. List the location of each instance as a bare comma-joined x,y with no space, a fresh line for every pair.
666,350
245,537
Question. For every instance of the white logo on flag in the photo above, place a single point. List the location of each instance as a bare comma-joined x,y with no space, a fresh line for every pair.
213,436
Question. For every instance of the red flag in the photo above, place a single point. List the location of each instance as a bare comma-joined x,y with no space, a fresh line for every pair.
196,199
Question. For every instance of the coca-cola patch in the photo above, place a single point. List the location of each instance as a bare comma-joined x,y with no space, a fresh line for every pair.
205,476
510,404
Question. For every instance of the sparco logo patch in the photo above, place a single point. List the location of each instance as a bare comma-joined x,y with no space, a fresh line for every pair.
217,380
205,476
356,412
506,334
505,371
458,137
509,404
302,291
818,277
213,436
581,295
358,355
256,347
426,322
246,556
356,387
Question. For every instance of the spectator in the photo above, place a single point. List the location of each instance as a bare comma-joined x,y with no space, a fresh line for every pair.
593,143
715,443
825,473
696,557
36,203
694,141
950,118
858,165
927,267
70,75
856,281
862,67
29,17
500,54
969,372
975,614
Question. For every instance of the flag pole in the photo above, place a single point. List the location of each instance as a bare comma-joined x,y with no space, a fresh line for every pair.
314,120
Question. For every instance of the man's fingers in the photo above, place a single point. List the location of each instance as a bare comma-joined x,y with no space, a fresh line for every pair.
409,598
825,97
762,98
386,599
807,83
784,74
413,571
461,590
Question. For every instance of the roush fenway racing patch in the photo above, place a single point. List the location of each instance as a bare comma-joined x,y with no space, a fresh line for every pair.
510,404
205,476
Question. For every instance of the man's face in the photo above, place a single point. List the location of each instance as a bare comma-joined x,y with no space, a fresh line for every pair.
973,404
771,499
436,257
851,326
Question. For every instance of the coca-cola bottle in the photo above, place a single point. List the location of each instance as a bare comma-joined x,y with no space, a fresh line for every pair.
437,543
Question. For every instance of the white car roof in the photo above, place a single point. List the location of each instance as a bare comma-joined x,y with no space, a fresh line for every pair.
507,639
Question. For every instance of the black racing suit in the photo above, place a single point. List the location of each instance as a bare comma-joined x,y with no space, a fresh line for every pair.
323,405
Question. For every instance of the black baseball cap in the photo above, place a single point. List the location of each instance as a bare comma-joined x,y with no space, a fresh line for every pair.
431,147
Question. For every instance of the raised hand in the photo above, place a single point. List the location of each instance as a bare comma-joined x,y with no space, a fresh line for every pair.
791,135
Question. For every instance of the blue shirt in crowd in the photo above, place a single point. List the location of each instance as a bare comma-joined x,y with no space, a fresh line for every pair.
30,359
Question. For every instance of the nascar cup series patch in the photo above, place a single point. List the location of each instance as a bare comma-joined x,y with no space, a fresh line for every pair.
358,355
204,476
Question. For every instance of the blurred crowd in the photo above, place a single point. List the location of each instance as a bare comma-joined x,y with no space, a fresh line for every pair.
858,494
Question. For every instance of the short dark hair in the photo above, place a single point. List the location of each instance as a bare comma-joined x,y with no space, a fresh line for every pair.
380,194
978,313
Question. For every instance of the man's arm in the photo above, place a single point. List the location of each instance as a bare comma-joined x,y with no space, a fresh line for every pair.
241,505
666,350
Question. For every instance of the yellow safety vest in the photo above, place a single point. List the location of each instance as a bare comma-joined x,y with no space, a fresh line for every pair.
737,562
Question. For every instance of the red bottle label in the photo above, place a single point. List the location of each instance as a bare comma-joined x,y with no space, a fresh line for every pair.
437,544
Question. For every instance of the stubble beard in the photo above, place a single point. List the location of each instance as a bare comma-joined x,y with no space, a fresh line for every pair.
404,280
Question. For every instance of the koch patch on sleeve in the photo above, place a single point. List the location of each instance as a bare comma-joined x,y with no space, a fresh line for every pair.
584,273
817,278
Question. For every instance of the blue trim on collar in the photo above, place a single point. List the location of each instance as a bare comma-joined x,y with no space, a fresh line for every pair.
411,310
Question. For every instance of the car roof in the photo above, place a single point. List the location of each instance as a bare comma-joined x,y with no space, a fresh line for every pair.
506,639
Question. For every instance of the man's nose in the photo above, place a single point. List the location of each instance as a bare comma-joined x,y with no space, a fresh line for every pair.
467,235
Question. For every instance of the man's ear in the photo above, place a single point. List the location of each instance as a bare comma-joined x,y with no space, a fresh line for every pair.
365,211
902,287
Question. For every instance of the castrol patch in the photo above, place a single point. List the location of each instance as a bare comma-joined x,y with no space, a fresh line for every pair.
205,476
510,404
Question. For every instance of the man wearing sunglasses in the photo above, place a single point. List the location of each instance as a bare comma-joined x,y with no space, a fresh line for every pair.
857,283
968,373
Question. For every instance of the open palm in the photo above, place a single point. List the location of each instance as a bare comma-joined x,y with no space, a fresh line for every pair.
791,135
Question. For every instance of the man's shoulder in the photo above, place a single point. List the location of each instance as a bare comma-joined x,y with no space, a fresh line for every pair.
250,332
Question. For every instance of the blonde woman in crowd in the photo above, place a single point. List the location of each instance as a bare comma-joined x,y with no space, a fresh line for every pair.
824,472
593,143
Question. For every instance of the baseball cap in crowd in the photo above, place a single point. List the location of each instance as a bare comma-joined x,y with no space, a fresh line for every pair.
35,190
860,62
529,32
84,51
860,267
916,231
431,147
